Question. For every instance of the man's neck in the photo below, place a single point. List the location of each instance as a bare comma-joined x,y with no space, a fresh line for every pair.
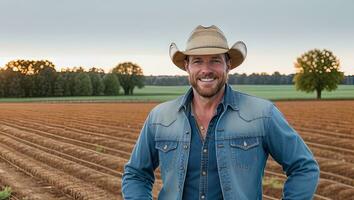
204,106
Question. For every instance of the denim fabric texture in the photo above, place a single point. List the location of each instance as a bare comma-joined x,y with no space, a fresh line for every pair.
248,130
202,178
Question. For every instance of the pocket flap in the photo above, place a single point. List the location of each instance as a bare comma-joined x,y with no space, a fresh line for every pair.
166,146
244,143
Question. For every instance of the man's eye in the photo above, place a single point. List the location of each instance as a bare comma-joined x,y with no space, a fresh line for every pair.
216,61
197,62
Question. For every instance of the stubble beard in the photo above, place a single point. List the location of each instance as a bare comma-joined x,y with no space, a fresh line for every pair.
208,92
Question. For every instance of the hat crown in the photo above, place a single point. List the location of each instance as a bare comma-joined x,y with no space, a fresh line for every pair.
208,41
206,37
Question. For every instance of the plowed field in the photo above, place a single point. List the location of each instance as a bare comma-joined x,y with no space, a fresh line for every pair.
77,151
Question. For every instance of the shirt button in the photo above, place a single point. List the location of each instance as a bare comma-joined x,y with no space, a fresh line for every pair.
202,197
187,132
205,150
204,173
244,143
185,146
165,147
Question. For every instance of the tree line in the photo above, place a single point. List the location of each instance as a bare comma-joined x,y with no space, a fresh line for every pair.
38,78
240,79
317,70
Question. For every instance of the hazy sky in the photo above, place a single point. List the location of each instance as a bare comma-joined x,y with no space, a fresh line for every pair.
103,33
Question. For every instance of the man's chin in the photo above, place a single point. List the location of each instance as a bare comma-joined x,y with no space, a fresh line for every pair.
207,92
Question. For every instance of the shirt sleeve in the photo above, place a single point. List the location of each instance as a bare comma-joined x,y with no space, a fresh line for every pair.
290,151
138,177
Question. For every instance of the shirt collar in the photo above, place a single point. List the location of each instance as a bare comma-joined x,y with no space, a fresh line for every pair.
229,99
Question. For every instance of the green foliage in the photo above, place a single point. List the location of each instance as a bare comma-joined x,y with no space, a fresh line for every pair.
5,193
69,83
34,77
12,83
317,70
97,82
27,84
44,82
59,85
130,76
111,85
82,85
2,83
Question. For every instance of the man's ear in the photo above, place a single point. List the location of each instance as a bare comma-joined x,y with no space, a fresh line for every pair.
228,64
186,65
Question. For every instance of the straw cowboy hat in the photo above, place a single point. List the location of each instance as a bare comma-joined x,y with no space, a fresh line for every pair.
208,41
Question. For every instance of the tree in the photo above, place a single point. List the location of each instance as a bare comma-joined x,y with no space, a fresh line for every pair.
129,75
12,83
2,83
111,84
59,85
82,84
44,82
28,67
31,82
97,81
317,70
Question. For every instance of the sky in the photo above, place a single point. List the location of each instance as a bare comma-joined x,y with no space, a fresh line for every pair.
103,33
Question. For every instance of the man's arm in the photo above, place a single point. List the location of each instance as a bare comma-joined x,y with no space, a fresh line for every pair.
138,177
289,150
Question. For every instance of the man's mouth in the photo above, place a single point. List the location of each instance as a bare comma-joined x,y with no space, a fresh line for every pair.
206,79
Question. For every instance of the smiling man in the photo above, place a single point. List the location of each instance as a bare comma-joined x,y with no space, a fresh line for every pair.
213,142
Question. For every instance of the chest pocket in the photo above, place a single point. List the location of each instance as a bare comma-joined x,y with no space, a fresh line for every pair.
166,146
167,154
244,143
245,152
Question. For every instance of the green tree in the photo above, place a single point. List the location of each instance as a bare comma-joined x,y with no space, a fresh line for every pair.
12,83
97,81
44,82
69,83
27,84
31,82
59,85
82,85
130,76
317,70
2,83
111,84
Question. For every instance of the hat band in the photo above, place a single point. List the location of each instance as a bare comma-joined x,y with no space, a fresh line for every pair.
204,47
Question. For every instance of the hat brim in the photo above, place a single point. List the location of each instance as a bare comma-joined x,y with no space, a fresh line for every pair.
237,54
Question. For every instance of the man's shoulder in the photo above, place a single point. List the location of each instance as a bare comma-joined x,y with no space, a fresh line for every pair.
252,107
166,113
171,106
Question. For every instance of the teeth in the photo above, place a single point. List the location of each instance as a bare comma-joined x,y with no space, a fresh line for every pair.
206,79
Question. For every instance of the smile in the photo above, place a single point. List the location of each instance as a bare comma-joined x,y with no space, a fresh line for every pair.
206,79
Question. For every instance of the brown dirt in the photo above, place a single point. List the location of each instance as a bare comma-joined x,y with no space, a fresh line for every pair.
63,151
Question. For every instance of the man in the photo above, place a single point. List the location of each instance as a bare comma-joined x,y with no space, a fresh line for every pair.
213,142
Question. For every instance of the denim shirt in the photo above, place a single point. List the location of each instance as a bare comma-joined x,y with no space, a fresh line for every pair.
247,132
202,178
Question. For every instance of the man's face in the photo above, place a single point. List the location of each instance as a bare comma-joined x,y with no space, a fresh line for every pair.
207,73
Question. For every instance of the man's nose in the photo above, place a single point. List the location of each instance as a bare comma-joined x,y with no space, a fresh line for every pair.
207,67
